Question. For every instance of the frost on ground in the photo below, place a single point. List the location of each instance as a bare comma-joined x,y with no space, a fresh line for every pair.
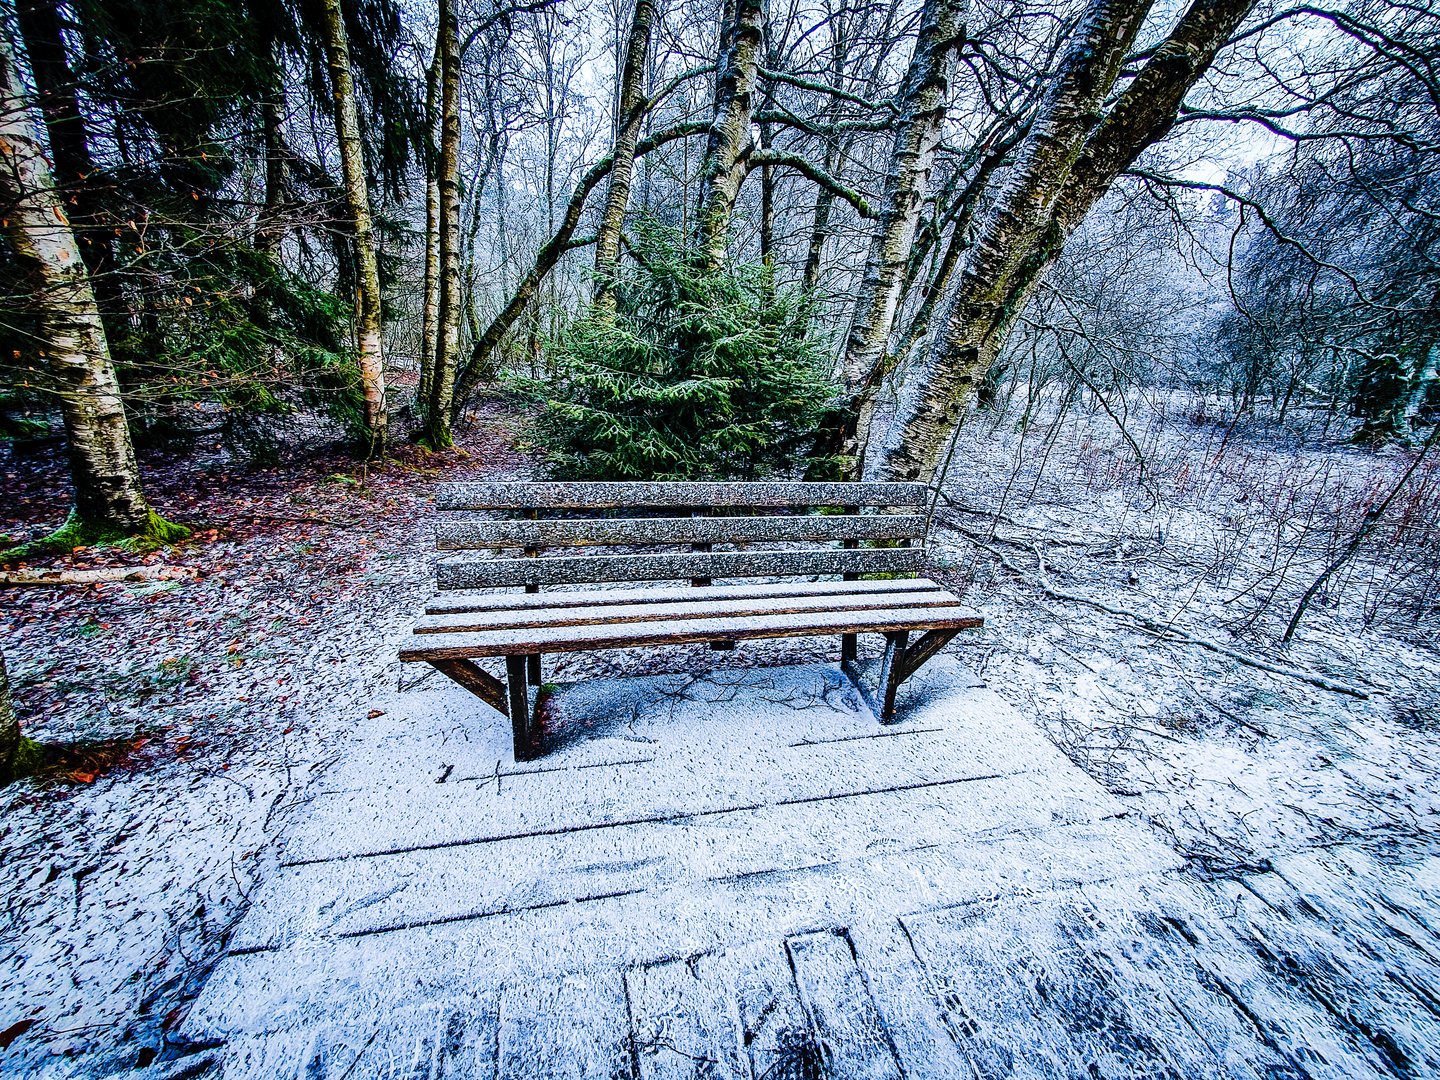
1218,536
200,710
218,699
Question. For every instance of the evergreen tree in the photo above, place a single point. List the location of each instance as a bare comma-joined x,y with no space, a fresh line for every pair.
698,374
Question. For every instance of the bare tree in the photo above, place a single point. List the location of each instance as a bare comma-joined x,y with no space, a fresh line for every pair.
1070,156
921,116
725,163
630,114
447,319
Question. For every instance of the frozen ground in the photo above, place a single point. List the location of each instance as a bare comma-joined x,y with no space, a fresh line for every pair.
233,693
1238,766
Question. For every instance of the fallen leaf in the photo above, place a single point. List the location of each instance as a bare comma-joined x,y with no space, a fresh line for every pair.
14,1031
373,713
83,777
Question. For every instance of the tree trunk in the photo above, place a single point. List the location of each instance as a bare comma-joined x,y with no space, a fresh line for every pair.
724,167
73,168
630,115
108,496
357,197
19,756
447,341
430,307
917,134
270,229
1071,155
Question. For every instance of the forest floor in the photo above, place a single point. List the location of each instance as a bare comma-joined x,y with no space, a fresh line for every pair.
201,707
1210,549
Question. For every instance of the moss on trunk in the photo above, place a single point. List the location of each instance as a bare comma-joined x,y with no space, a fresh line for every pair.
154,532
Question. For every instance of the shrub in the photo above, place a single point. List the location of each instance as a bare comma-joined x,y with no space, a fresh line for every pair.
695,375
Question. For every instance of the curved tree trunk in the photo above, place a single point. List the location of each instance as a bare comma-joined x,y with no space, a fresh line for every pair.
447,320
561,241
917,134
724,168
357,198
108,497
1068,160
629,117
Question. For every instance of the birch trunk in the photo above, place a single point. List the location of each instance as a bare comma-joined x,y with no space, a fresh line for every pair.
447,341
357,197
724,166
630,115
108,496
1066,164
1016,241
430,308
72,166
922,116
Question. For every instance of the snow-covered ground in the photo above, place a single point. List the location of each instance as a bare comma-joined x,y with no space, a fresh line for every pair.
1218,539
235,690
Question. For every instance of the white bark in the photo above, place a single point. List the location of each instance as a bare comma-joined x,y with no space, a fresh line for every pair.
357,197
724,169
917,134
630,115
108,495
447,342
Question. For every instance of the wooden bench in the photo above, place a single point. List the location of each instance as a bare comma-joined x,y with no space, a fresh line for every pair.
767,532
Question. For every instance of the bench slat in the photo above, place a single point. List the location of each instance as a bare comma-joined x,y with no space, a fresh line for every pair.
481,571
679,632
445,603
456,535
633,613
632,494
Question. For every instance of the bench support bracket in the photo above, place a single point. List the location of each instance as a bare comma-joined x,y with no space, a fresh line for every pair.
476,679
510,698
898,663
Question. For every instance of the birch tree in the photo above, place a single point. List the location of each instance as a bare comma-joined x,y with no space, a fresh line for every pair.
1072,153
359,225
430,299
447,319
728,145
917,133
109,502
630,115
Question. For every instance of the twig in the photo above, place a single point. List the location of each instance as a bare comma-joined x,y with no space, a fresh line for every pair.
97,576
1171,632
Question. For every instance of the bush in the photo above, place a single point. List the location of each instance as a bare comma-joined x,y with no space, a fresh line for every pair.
696,375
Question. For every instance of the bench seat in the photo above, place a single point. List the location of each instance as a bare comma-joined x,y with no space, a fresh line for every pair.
690,616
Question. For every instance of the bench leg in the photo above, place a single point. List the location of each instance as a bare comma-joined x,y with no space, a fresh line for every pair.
901,660
521,722
892,666
849,648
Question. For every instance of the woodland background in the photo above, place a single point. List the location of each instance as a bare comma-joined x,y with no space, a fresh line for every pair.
1148,291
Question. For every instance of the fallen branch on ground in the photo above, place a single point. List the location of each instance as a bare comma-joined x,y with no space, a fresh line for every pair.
1156,627
99,576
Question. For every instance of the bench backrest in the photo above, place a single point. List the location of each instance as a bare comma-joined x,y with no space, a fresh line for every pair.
763,526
